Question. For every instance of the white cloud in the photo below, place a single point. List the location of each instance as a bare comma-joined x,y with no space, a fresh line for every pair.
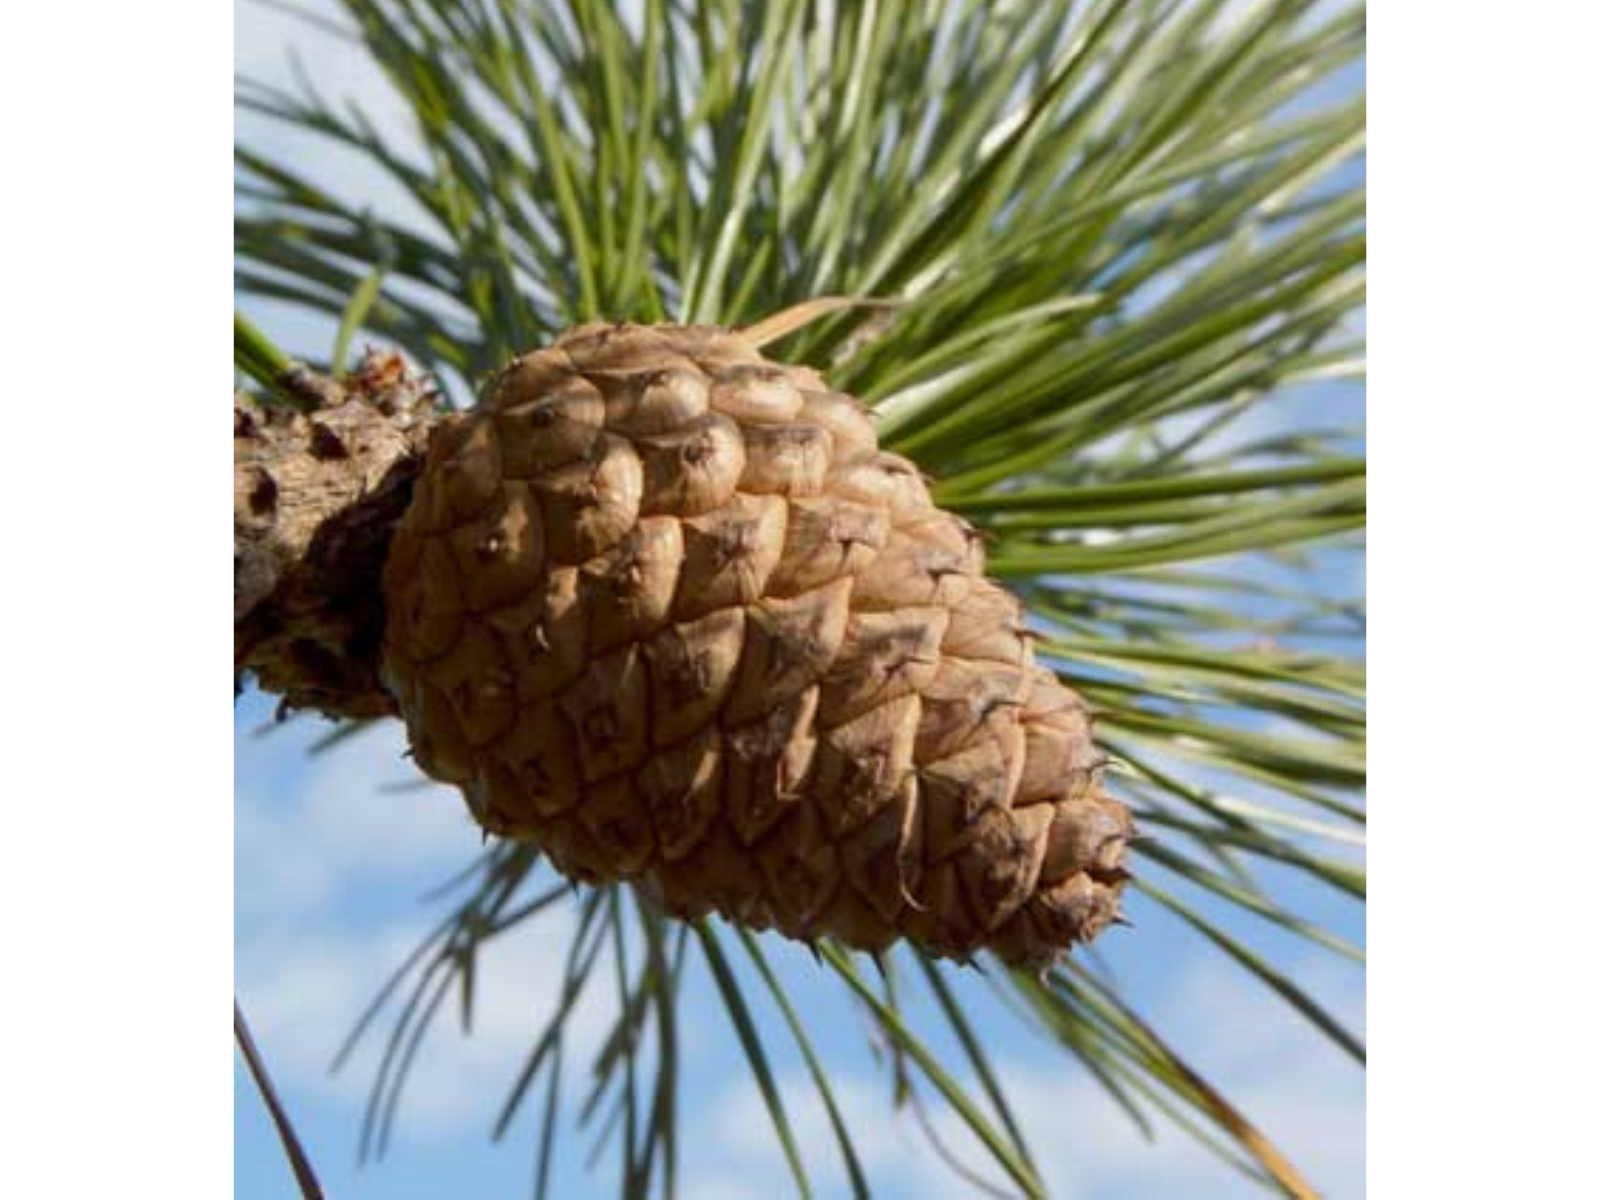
352,819
1293,1084
745,1140
1216,1005
303,995
305,975
329,866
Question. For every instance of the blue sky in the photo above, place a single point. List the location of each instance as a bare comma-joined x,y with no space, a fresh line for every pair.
331,858
333,852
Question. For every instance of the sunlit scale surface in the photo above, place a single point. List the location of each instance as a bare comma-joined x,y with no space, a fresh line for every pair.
663,606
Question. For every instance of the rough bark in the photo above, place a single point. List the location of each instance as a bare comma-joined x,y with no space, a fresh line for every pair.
316,496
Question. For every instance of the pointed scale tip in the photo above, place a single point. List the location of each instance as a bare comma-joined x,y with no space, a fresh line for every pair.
909,897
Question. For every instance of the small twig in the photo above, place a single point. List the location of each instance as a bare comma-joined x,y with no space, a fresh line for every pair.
298,1162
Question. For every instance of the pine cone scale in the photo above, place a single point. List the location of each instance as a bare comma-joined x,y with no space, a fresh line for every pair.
662,606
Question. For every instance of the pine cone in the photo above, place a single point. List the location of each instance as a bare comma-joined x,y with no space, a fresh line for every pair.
663,607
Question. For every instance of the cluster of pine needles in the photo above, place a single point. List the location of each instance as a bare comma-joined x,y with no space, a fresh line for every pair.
1124,240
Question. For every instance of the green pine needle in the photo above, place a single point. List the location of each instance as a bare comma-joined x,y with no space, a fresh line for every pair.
1124,242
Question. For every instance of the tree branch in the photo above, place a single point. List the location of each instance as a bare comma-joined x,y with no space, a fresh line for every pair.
315,499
